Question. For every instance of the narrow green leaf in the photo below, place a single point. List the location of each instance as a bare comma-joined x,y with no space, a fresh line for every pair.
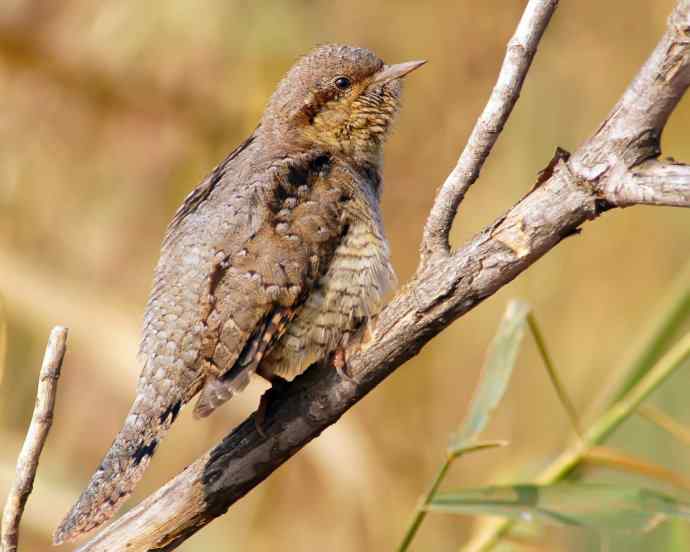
496,372
599,506
674,359
493,382
553,373
617,460
665,422
473,447
679,536
673,314
420,511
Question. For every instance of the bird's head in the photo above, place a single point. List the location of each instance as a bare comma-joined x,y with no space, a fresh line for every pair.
339,98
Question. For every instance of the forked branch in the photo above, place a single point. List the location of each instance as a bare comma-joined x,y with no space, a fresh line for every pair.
518,59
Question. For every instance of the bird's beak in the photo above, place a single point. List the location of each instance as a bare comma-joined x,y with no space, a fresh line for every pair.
399,70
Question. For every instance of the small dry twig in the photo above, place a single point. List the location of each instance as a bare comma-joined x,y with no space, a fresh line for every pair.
41,420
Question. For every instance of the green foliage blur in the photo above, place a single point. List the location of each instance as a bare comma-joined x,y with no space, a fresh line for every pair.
113,111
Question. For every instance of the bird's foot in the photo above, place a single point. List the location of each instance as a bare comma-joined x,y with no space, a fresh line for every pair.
340,363
277,385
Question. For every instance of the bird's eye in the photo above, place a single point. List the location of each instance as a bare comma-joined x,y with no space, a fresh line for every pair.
342,83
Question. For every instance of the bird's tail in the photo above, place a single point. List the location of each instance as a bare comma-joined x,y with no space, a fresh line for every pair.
123,466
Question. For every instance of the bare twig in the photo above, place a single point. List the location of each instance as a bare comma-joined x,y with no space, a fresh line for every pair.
652,183
41,420
567,195
519,54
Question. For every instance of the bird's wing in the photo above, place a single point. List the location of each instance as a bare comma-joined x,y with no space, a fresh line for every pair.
262,282
238,259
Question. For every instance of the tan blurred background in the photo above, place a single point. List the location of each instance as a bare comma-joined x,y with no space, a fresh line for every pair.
112,111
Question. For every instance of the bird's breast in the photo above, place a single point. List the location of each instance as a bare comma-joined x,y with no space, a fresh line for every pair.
348,293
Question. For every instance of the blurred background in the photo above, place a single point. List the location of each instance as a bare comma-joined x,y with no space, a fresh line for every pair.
113,111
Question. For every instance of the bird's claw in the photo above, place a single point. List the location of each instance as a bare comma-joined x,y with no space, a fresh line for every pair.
340,363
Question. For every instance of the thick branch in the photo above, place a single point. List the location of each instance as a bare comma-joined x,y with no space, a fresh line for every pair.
567,195
519,54
41,420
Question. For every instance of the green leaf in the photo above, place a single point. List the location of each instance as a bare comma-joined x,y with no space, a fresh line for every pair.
665,422
493,382
617,460
679,536
476,446
673,314
551,371
599,506
674,359
496,372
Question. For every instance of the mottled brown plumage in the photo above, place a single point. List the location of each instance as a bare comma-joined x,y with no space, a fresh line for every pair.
268,265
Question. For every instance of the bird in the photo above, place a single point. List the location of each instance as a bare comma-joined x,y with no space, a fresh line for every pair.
270,265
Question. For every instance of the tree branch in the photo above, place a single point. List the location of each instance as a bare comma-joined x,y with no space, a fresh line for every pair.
41,420
518,59
652,183
630,135
446,285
